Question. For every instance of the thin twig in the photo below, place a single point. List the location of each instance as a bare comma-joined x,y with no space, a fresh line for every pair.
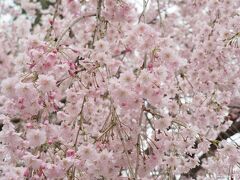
81,123
49,31
98,15
70,26
145,3
138,142
159,13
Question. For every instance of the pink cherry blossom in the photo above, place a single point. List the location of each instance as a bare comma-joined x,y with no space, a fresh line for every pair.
46,83
36,137
124,89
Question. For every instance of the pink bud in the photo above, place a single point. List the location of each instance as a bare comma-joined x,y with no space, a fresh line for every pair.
26,173
50,22
55,51
51,96
150,66
29,125
50,141
70,153
124,104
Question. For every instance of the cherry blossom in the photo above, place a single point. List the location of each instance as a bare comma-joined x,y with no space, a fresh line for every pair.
104,89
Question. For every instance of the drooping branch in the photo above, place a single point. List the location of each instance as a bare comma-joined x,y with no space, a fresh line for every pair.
70,26
232,130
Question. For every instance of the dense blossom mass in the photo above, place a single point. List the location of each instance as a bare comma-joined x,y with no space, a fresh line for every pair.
105,89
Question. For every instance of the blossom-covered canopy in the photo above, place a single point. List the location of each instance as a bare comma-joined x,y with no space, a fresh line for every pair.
105,89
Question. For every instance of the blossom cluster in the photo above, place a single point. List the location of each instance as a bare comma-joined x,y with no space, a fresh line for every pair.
100,90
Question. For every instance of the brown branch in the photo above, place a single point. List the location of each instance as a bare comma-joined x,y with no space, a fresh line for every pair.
98,16
232,130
